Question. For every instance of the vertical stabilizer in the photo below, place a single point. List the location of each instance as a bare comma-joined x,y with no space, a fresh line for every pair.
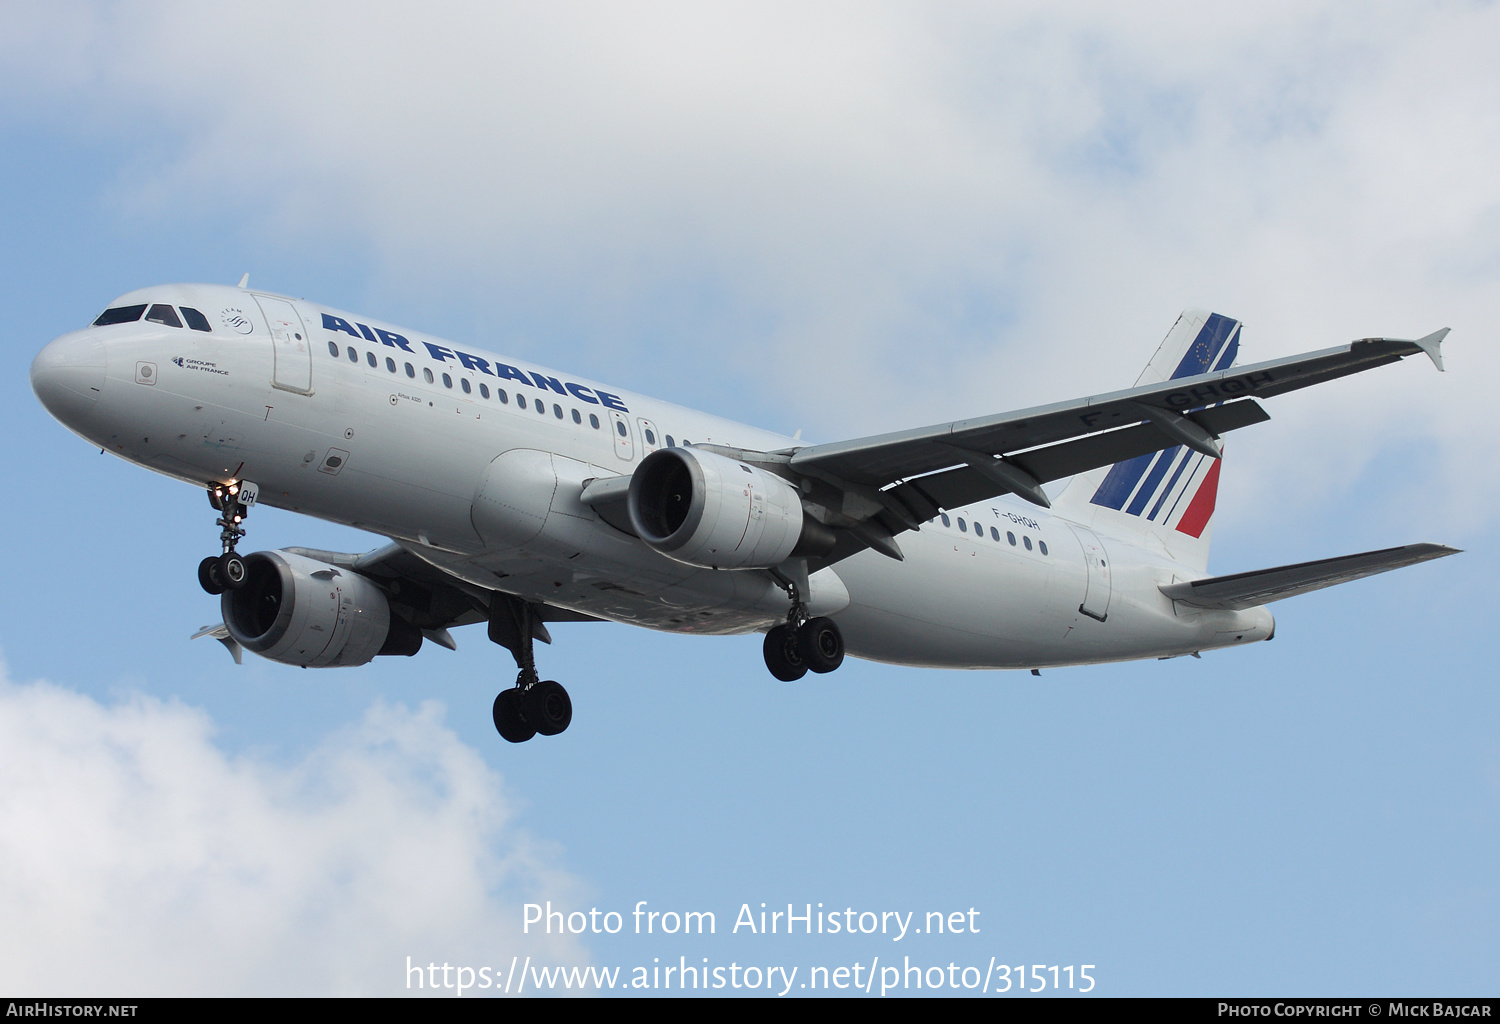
1164,500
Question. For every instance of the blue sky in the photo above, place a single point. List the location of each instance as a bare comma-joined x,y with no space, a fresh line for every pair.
844,221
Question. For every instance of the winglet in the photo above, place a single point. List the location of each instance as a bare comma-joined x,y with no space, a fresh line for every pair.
245,281
441,637
220,632
1430,345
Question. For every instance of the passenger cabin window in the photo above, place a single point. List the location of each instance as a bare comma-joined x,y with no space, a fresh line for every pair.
196,320
1010,537
557,411
120,315
410,370
593,421
619,428
1042,546
576,417
1027,542
370,358
353,355
994,535
504,398
427,375
670,443
333,349
161,313
390,364
464,383
946,520
520,401
447,381
484,390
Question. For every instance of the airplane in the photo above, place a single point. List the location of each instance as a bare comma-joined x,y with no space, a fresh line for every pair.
516,495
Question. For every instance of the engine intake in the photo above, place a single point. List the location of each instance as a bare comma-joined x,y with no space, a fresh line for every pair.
704,509
300,611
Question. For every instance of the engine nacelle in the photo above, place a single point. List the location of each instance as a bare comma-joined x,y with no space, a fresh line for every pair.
708,510
299,611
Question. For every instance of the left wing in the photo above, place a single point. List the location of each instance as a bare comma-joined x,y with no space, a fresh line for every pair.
426,597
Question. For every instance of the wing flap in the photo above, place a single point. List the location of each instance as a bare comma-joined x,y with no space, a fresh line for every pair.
425,595
1249,589
955,487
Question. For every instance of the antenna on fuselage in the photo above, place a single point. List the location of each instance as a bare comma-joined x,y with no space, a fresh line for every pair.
245,281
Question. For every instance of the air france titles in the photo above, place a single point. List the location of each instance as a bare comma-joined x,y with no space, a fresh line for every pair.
502,371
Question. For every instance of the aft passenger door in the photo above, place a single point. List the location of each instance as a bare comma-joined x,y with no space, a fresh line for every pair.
289,343
1096,598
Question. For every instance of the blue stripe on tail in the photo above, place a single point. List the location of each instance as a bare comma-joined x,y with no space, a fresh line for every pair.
1200,354
1215,347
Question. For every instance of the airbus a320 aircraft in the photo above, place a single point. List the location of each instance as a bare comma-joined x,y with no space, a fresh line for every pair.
517,495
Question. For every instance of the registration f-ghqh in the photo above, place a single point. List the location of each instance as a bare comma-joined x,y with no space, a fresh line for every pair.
516,495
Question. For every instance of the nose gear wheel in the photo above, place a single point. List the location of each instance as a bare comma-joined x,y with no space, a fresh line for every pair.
233,502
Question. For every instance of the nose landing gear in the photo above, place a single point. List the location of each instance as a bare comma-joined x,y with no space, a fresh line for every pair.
233,502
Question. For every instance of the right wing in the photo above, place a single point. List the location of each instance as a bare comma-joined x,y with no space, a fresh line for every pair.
893,482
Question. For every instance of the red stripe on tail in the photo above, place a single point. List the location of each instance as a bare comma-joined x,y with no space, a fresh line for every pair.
1201,510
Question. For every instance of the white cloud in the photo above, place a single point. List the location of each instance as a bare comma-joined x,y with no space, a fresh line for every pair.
950,209
137,858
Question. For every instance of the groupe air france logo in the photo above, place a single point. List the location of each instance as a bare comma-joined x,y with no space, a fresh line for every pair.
236,320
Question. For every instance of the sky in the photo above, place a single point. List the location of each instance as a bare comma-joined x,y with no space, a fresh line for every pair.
840,219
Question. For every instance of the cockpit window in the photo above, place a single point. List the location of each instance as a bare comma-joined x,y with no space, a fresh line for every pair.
196,320
120,315
161,313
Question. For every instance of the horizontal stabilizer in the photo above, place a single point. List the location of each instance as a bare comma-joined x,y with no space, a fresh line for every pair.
1248,589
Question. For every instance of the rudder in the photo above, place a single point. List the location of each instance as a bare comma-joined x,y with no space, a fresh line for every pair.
1168,495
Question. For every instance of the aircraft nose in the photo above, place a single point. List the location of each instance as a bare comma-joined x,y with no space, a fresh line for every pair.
68,375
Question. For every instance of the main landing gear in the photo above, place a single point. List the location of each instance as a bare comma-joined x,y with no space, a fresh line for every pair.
802,643
533,706
227,571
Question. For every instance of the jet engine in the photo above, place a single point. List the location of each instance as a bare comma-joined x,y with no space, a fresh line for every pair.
708,510
299,611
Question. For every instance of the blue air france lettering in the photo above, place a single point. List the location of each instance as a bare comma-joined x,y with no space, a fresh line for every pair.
513,521
501,371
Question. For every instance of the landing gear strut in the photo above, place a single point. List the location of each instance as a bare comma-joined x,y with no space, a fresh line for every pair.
227,571
802,642
534,705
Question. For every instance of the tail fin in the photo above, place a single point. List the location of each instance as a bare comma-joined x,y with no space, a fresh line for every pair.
1168,496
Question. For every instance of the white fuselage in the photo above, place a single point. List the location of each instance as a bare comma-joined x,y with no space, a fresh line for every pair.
343,423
